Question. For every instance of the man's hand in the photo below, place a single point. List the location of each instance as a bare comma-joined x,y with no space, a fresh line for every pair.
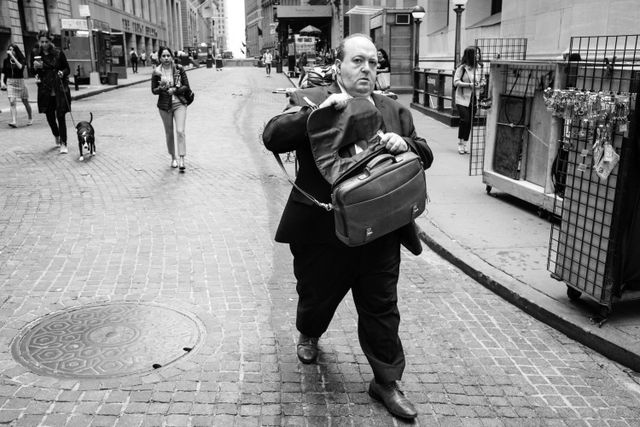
394,143
337,100
60,74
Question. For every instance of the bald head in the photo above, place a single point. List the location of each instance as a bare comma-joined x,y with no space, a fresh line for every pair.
357,61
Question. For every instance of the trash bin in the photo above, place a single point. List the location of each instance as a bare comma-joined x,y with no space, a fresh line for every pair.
278,66
209,63
112,78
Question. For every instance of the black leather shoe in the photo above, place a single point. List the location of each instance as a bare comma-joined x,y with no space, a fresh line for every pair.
393,399
307,349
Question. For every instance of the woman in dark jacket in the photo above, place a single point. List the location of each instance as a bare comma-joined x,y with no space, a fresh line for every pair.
169,81
12,79
51,69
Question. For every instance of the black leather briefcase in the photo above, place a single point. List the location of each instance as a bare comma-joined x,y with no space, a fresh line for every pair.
384,195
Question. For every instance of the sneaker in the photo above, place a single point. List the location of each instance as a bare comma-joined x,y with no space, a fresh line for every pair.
461,149
63,149
13,125
30,122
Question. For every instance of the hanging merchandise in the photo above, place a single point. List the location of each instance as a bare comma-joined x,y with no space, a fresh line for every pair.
591,115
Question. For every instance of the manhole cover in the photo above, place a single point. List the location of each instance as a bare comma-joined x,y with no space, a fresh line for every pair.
110,340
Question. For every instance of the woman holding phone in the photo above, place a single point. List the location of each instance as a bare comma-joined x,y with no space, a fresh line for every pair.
52,71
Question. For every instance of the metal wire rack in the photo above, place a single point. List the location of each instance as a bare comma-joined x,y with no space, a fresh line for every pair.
583,243
491,49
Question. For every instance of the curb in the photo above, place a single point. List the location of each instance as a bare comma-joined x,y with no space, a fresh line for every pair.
538,305
101,90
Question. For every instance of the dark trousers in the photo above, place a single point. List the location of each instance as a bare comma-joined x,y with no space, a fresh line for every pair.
268,68
56,120
326,272
134,66
464,128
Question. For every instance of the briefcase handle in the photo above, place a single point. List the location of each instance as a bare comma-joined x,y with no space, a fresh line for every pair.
379,159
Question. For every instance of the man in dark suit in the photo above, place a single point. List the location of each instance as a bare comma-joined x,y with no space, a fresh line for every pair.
324,267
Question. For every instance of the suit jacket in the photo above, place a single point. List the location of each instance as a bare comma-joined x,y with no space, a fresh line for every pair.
302,221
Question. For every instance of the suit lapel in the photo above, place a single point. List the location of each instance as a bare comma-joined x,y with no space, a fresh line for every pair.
387,117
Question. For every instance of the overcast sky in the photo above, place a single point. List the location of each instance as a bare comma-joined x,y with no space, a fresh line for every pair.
235,11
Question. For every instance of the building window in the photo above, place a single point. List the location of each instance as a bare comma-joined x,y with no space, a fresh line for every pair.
496,6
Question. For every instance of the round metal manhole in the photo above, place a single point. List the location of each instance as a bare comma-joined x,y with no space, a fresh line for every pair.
106,341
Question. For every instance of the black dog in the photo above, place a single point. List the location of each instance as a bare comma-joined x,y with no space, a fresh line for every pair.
86,137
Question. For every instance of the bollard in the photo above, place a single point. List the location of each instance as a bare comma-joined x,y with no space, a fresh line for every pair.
76,76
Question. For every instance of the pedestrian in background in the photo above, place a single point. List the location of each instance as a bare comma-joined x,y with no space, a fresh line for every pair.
383,76
267,58
133,58
52,71
325,268
154,58
468,81
169,81
143,58
302,62
12,79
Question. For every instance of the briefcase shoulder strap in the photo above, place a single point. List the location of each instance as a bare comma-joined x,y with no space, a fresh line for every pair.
326,206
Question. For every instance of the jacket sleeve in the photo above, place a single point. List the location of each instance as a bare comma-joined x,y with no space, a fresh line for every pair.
64,65
286,131
416,144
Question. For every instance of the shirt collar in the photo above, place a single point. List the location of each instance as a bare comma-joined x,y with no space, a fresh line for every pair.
343,90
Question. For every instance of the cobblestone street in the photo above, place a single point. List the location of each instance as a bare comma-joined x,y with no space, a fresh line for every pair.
124,226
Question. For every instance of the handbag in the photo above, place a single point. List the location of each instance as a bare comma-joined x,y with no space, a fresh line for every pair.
374,192
189,96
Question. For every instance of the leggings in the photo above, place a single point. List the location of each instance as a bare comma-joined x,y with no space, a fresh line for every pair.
56,120
178,116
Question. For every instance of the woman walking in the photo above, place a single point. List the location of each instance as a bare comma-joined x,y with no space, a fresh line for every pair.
169,81
52,77
302,63
468,81
12,79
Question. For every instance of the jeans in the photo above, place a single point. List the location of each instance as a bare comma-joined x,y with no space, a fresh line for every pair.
176,117
464,128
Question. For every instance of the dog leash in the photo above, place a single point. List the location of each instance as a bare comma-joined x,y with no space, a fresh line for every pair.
64,94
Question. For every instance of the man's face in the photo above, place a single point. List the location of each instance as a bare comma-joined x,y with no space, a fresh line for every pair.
358,69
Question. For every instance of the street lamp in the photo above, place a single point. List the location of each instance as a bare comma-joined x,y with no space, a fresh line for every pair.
459,7
417,13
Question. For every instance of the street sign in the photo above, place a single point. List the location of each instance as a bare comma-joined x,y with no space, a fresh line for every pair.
74,24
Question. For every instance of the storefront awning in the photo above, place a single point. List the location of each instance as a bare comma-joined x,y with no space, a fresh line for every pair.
363,10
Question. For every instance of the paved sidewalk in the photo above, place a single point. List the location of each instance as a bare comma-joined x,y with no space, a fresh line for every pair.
124,227
144,74
497,240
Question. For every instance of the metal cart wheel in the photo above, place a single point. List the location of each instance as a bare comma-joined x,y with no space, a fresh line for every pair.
573,294
488,188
